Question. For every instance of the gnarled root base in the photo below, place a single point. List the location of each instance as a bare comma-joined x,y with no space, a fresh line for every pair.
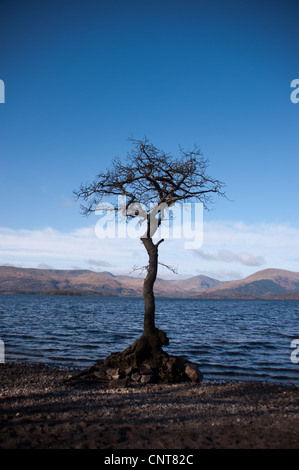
144,362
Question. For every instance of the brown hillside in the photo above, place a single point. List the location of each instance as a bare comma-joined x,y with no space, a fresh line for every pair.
265,283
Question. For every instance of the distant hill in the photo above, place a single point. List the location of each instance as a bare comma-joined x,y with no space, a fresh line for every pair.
197,284
268,283
56,281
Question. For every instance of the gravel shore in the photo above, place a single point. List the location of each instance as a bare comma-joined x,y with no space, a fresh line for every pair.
39,411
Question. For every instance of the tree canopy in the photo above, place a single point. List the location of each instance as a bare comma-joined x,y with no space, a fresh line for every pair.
151,176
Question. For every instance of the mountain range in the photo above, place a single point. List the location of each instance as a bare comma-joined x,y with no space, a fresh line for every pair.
268,283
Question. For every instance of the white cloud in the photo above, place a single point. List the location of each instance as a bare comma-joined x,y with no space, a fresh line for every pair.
63,250
245,248
228,256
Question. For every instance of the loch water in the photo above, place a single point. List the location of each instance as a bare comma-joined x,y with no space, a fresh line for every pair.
229,339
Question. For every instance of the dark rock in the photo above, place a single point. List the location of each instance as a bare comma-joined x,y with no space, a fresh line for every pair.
136,376
192,372
100,374
146,371
147,379
114,373
128,371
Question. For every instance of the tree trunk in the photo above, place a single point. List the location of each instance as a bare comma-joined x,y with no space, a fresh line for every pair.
154,338
148,287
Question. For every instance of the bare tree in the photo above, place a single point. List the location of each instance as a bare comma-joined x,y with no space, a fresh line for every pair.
151,181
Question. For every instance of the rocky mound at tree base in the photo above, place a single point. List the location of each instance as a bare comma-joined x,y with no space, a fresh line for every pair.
144,362
165,369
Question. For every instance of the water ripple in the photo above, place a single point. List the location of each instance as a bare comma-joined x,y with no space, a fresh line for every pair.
244,339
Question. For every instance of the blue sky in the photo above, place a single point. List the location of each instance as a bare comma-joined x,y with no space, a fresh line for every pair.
81,77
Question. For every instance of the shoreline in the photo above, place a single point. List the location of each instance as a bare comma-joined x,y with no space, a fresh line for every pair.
39,411
83,293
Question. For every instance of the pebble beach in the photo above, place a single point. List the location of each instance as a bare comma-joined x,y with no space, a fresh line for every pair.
39,410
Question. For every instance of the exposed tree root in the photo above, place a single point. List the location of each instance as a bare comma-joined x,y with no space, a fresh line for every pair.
143,362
